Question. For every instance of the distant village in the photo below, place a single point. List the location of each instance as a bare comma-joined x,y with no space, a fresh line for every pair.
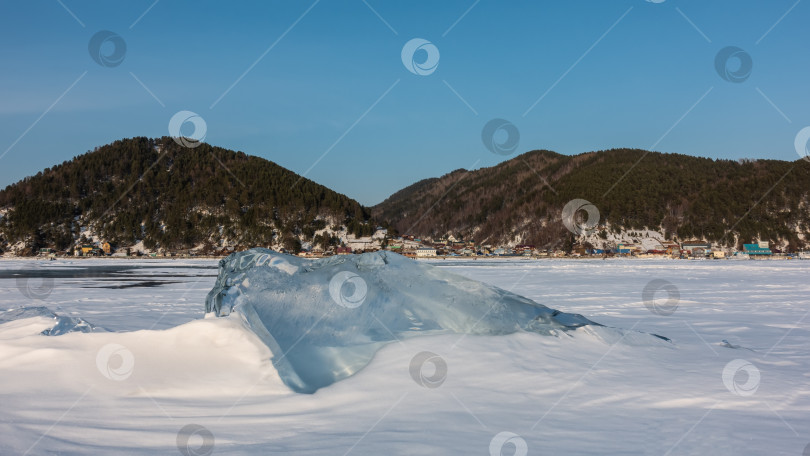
451,247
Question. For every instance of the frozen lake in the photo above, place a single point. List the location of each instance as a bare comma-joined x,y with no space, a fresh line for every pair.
735,380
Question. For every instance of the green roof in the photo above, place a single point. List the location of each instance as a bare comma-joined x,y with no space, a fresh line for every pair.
755,249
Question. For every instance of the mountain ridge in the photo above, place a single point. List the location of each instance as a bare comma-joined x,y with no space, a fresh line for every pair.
520,201
157,193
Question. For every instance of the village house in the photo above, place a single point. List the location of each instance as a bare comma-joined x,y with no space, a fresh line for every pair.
627,248
86,250
411,244
697,248
579,250
362,243
758,249
422,252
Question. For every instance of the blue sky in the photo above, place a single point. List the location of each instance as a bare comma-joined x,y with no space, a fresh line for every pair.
321,88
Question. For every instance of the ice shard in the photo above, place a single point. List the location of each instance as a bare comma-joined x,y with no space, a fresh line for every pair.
61,323
324,319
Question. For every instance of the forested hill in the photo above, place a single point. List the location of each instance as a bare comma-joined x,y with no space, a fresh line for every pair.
685,197
170,196
164,195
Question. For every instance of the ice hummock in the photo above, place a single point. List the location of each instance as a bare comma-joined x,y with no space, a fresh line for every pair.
324,319
61,324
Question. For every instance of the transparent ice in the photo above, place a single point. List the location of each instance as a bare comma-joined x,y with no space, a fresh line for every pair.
324,319
61,323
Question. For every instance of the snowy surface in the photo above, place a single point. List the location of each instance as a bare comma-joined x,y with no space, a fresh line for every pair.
164,366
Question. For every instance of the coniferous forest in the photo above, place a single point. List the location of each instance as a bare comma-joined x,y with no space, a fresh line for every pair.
686,197
170,196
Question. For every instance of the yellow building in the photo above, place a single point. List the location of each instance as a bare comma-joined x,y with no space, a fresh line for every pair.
107,248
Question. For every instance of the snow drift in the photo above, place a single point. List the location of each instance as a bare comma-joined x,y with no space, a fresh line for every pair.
325,319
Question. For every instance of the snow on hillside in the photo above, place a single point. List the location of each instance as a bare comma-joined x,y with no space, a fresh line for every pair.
645,239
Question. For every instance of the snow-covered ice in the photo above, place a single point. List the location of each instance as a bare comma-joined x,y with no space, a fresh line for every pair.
166,380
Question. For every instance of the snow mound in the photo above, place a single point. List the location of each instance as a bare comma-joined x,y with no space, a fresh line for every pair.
325,319
61,324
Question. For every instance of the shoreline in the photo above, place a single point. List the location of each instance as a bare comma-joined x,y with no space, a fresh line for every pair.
146,258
